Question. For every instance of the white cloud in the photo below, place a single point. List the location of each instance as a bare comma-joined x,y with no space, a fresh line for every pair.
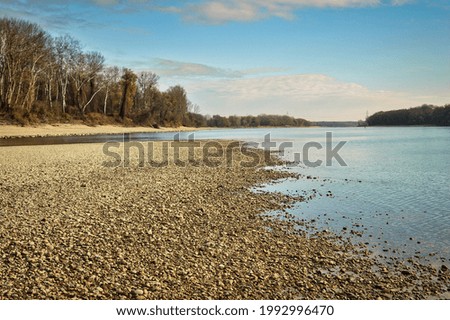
401,2
190,70
171,68
221,11
106,2
204,11
266,90
311,96
304,86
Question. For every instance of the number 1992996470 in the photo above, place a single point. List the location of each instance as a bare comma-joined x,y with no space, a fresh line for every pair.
299,310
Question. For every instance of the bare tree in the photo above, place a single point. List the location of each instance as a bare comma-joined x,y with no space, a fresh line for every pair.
38,59
110,78
66,50
37,71
84,77
146,83
23,48
193,107
129,90
177,104
3,62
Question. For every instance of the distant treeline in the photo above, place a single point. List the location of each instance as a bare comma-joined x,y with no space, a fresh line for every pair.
335,123
263,120
45,79
424,115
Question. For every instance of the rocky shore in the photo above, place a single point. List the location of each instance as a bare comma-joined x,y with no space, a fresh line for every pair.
71,228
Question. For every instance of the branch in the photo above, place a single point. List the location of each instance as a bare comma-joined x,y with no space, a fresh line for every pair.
92,98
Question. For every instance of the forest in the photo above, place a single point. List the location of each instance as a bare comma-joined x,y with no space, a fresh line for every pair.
425,115
45,79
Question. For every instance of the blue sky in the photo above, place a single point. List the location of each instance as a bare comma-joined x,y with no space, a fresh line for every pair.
317,59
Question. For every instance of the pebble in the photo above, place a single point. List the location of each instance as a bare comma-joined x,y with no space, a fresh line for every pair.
138,292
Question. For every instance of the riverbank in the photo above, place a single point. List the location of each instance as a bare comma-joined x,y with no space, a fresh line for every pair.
10,131
72,228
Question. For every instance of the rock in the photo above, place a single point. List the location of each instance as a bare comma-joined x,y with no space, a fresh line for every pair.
138,292
405,272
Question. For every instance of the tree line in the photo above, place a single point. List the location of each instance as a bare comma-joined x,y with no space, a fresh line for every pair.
423,115
51,79
262,120
44,79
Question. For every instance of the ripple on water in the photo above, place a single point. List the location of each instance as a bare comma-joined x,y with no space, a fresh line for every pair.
403,192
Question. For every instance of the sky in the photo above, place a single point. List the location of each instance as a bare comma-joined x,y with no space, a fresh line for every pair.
315,59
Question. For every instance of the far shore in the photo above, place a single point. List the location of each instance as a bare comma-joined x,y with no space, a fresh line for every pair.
65,129
12,131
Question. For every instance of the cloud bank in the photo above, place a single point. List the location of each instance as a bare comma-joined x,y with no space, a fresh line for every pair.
222,11
312,96
200,11
171,68
272,91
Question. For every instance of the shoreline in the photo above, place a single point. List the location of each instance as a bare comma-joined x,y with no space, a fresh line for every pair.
9,131
13,131
74,229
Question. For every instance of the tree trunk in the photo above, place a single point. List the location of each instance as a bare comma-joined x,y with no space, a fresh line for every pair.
123,104
83,109
106,101
63,94
49,93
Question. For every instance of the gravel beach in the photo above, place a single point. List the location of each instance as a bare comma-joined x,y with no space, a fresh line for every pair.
71,228
12,131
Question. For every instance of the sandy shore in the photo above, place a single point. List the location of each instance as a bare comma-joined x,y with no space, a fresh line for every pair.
71,228
7,131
